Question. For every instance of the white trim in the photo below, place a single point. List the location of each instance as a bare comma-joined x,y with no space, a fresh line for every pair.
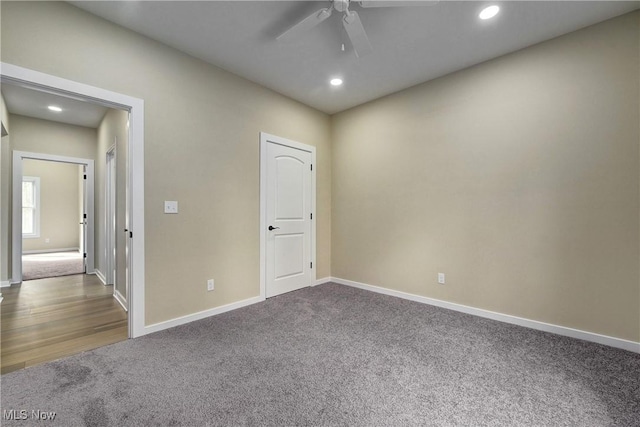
263,218
322,281
48,83
118,296
200,315
514,320
136,292
110,235
18,157
46,251
100,276
5,284
265,139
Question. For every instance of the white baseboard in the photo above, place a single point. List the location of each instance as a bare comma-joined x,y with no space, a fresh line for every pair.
47,251
100,276
5,283
528,323
322,281
156,327
200,315
118,296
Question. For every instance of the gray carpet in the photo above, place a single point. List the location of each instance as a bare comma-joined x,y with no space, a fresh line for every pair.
334,355
54,264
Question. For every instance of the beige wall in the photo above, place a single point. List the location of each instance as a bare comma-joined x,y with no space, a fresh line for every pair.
5,197
47,137
517,178
202,129
59,200
112,131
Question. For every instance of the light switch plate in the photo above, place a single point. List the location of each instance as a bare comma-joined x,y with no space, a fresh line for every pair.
170,207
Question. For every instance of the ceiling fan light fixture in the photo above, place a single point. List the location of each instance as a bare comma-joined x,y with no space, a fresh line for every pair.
350,21
489,12
336,81
54,108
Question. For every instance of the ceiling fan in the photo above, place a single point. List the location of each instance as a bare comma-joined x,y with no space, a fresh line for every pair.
350,21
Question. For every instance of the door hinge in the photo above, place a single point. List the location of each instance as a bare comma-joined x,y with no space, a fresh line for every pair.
131,234
311,216
84,255
84,216
311,166
311,265
85,176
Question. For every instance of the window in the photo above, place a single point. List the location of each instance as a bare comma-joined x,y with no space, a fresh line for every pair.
30,206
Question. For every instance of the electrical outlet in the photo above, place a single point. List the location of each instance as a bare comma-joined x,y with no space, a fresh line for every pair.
47,240
441,278
210,285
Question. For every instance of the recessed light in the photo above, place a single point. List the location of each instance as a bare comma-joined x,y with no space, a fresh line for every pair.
489,12
54,108
336,82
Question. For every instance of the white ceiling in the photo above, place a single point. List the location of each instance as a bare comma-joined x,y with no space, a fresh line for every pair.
411,44
33,103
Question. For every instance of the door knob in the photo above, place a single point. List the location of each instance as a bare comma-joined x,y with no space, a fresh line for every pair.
271,228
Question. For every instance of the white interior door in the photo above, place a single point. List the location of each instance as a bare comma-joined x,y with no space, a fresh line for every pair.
288,219
81,209
83,218
128,260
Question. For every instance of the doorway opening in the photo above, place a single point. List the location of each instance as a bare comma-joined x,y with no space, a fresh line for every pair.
55,205
126,235
49,184
132,182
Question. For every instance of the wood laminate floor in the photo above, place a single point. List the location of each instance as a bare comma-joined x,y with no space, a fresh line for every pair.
46,319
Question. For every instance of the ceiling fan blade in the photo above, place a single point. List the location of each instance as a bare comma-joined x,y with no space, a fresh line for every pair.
306,24
396,3
356,33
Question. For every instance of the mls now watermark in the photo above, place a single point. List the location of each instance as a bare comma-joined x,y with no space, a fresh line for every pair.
23,414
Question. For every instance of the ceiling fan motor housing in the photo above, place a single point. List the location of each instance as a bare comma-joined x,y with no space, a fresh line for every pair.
341,5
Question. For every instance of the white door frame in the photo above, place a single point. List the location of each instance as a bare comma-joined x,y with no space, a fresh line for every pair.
16,252
25,77
110,211
265,140
83,224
